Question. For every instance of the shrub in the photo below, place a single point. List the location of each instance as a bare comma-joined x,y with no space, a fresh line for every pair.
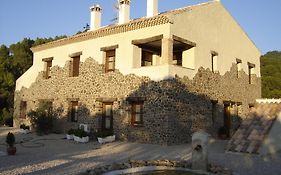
22,126
43,118
105,133
71,132
10,139
80,133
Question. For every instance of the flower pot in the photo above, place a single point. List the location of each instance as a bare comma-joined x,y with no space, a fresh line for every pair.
106,139
24,131
11,150
69,137
81,140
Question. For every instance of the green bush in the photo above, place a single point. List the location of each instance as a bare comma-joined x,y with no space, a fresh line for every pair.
71,132
105,133
43,118
23,126
10,139
80,133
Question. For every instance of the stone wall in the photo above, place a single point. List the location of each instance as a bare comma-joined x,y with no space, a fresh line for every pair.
173,109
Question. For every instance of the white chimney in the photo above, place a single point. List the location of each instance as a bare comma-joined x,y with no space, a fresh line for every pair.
124,11
152,8
95,17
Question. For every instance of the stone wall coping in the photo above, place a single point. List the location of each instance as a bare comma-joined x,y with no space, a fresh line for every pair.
267,100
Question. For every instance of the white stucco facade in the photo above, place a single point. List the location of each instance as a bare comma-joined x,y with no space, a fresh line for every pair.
208,25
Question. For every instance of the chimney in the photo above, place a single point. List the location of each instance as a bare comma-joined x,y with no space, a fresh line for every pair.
95,17
152,8
124,11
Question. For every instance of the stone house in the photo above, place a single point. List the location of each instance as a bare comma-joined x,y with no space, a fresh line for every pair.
156,79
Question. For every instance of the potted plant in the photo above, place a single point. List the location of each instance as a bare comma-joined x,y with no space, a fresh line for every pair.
222,133
105,136
10,140
70,134
81,136
24,129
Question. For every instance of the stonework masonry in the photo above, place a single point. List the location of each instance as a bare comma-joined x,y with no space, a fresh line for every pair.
173,108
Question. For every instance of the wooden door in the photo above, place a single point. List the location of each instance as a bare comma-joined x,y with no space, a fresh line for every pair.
227,119
107,117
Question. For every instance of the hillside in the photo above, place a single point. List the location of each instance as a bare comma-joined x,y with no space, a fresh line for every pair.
271,74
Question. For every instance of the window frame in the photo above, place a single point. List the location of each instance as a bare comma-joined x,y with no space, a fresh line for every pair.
134,112
47,67
110,54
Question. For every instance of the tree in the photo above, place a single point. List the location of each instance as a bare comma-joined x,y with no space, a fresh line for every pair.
271,74
14,61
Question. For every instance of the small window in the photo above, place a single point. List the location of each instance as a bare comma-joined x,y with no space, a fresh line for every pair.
47,67
137,113
214,57
146,58
251,72
23,107
239,67
110,61
75,66
177,58
74,111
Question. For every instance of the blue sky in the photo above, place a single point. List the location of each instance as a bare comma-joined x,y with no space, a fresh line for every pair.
20,19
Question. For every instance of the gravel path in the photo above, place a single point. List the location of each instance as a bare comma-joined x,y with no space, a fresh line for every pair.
52,154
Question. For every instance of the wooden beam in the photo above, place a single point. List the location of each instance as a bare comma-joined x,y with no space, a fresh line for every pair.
147,40
76,54
109,48
179,39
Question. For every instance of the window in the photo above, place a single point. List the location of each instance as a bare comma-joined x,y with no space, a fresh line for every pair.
75,63
214,56
177,58
47,67
74,111
137,113
183,52
239,66
110,61
251,72
146,58
23,106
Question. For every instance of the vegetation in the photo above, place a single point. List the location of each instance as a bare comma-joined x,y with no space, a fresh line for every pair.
71,132
80,133
10,139
271,74
23,126
14,61
43,118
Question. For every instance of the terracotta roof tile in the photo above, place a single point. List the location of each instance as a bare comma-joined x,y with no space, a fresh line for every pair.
162,18
250,135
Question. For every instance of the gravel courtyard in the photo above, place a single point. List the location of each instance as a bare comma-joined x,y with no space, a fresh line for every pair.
52,154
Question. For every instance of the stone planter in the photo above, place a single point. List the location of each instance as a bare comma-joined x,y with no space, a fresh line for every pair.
69,137
11,150
81,140
24,131
106,139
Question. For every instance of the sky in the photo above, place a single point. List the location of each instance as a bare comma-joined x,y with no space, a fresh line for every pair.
20,19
